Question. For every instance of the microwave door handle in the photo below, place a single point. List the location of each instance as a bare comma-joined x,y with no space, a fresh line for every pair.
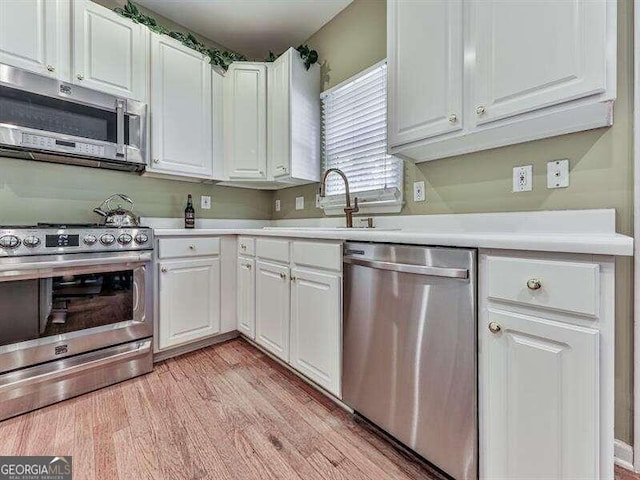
120,108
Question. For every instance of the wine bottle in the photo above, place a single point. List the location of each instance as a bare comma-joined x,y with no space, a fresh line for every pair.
189,214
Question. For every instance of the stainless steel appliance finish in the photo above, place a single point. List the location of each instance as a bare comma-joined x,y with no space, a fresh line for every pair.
410,348
118,216
42,118
84,312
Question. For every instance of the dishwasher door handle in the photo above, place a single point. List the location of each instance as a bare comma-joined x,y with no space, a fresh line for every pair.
407,268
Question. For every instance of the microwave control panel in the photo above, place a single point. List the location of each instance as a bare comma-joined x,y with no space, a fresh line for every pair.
42,142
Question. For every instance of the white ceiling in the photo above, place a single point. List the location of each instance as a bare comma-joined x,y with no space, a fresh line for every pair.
251,27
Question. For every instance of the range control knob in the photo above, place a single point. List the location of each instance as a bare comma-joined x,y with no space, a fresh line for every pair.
125,239
31,242
141,238
107,239
9,241
90,239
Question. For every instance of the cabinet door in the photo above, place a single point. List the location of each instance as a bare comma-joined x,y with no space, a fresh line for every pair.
245,99
189,302
247,297
424,45
279,111
181,118
539,393
531,55
32,35
109,51
273,308
316,327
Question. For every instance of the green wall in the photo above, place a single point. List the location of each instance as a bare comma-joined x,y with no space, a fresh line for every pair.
600,160
37,191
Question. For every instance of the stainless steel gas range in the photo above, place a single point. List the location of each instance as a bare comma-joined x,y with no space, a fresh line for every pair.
76,311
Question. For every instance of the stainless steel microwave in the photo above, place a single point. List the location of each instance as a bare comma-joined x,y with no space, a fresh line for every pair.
42,118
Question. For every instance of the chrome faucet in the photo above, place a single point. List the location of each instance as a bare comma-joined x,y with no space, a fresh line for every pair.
348,209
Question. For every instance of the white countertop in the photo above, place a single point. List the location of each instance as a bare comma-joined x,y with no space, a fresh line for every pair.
582,231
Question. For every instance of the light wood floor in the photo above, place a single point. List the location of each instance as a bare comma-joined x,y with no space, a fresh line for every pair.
225,412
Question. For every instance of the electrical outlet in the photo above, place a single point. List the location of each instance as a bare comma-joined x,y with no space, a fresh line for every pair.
418,192
278,205
205,202
558,174
523,178
299,203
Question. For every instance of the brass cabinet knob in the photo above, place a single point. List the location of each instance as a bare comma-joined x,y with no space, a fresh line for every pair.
243,246
494,327
192,247
248,266
51,68
480,109
80,76
293,279
534,284
155,160
163,269
453,118
283,276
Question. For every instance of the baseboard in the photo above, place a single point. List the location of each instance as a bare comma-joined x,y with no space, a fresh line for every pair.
623,454
191,347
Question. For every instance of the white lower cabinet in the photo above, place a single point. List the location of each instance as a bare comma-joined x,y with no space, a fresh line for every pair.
246,296
189,300
297,306
272,308
541,395
315,327
546,366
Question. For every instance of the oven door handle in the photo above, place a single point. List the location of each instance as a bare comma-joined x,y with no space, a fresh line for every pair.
19,269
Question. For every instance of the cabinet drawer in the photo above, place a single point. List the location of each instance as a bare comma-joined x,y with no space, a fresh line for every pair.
277,250
188,247
247,246
565,286
314,254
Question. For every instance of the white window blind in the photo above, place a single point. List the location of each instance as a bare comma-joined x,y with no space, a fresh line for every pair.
354,139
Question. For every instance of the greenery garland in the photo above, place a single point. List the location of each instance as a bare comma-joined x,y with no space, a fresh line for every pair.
221,58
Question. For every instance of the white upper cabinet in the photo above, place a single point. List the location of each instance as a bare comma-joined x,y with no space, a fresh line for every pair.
109,51
425,59
34,35
181,110
293,94
470,75
536,54
245,113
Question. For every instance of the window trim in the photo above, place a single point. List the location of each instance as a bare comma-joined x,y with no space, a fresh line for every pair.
371,201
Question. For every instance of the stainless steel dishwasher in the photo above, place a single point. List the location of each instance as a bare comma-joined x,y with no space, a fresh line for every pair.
410,348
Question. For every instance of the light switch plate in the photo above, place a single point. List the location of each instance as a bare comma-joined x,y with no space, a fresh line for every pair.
205,202
418,192
558,174
277,205
299,203
523,178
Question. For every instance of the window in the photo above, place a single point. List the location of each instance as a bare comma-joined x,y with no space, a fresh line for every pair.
354,139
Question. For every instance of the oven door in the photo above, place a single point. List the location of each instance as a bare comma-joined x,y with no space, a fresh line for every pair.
56,306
